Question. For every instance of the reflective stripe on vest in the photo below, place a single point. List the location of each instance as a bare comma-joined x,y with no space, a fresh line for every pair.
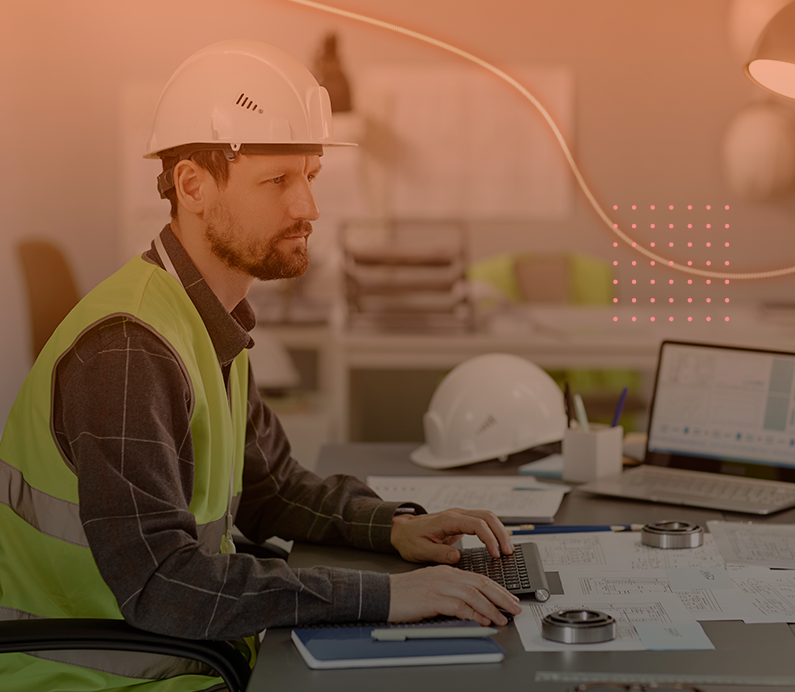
50,515
61,519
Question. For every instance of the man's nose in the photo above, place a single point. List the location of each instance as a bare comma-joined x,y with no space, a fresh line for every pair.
305,206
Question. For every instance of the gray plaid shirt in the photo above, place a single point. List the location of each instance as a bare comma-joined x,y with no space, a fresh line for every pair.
121,415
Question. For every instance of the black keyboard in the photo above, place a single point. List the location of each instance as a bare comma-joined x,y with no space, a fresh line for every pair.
521,573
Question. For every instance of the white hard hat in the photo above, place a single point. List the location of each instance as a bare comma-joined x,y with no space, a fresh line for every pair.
241,96
489,407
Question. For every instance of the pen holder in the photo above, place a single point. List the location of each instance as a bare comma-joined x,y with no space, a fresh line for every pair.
589,455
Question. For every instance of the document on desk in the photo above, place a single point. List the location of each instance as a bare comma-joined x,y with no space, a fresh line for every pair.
763,545
614,551
625,551
663,623
509,497
770,591
708,593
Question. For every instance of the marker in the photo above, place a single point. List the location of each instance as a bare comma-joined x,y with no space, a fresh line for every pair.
529,529
399,634
619,407
579,408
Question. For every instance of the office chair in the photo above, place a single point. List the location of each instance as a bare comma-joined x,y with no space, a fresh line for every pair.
58,634
20,636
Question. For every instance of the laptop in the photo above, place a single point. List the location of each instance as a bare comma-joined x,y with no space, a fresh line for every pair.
721,431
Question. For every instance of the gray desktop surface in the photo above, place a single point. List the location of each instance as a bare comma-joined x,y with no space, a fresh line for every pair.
766,650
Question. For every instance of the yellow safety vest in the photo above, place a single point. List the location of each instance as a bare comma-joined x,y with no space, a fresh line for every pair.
46,567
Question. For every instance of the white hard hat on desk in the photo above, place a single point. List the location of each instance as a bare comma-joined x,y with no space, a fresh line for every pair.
489,407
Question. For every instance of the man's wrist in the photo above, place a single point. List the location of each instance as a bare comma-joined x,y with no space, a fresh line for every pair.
399,520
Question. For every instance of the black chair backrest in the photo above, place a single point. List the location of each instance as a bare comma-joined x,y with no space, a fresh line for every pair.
69,634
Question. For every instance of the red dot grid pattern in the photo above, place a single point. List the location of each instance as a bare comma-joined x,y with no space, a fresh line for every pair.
688,234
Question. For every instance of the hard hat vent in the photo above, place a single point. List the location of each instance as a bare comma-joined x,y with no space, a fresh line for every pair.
245,102
486,424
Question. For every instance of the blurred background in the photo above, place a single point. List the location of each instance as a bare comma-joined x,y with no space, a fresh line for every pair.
651,97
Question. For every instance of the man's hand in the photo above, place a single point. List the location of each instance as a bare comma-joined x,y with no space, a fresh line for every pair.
444,590
429,537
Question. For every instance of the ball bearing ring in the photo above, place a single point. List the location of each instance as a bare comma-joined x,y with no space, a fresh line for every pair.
578,627
672,534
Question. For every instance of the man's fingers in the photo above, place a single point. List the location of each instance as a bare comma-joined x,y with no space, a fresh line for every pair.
482,596
443,590
416,536
441,553
476,597
486,526
498,530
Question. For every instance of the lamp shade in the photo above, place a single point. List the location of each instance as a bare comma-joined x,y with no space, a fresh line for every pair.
772,63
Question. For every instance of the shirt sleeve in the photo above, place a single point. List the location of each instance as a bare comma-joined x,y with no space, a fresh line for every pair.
281,498
121,416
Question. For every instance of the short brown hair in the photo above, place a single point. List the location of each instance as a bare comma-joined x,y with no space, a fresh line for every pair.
213,161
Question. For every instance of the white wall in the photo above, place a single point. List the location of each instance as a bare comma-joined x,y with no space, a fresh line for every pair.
656,85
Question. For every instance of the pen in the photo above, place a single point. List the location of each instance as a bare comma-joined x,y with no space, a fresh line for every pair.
399,634
528,529
567,403
619,407
579,408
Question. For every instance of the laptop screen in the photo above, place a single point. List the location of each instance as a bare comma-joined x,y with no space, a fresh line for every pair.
725,410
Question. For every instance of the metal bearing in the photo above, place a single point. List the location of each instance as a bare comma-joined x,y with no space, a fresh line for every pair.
672,534
578,627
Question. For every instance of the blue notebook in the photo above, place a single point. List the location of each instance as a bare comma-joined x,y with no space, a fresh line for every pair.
353,647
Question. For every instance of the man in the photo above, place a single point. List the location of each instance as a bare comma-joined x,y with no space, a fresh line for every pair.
139,437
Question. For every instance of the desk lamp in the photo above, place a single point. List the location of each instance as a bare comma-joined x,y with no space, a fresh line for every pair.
772,63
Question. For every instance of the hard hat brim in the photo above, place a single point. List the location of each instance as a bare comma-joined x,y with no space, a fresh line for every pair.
423,456
263,148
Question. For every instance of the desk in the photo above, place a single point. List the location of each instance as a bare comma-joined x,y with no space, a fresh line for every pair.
741,649
560,337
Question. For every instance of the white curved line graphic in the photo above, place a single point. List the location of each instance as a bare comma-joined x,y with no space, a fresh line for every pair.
562,142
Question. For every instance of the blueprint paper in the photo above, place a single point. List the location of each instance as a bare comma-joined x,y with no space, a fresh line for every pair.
771,594
703,604
662,608
614,551
764,545
689,578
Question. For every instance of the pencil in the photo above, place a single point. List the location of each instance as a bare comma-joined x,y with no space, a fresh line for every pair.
529,529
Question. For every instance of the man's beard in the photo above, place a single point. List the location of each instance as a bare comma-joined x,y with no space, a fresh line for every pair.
263,260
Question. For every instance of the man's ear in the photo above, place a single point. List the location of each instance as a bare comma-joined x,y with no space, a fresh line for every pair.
190,183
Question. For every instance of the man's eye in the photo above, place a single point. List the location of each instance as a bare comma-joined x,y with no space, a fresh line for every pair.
277,180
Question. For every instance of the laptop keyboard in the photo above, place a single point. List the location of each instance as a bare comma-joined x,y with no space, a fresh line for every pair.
721,488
